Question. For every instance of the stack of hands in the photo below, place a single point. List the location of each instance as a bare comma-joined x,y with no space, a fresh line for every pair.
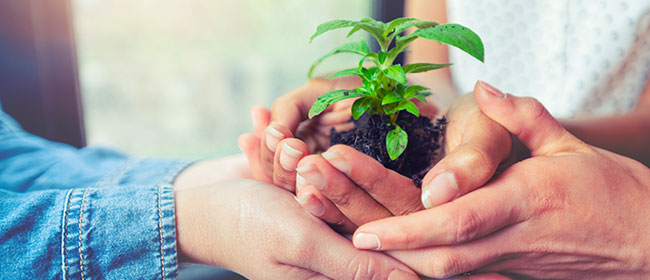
568,210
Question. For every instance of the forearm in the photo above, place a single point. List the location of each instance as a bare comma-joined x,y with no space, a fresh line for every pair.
627,134
439,81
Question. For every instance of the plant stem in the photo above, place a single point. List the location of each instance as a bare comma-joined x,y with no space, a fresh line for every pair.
393,118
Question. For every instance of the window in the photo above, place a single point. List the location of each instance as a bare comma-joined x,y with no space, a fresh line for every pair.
176,78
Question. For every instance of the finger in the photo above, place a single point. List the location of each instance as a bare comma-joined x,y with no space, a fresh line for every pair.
334,256
319,206
468,166
471,216
395,192
483,276
249,144
289,152
447,261
353,201
292,108
261,117
527,119
273,134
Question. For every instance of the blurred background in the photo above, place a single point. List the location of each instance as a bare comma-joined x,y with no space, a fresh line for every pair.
176,78
162,78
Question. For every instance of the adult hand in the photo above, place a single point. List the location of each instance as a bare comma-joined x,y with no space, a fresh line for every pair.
356,189
261,232
275,148
571,211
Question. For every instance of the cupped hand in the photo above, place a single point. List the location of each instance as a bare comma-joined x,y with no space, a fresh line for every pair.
261,232
357,189
284,135
475,146
571,211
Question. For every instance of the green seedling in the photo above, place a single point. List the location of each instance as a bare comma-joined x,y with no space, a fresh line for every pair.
385,89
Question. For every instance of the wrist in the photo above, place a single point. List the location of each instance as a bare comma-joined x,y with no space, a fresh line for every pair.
209,172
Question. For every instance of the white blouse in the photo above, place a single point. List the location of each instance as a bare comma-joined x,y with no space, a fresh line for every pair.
577,57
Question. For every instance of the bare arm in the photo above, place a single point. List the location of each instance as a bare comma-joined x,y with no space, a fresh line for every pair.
439,81
627,134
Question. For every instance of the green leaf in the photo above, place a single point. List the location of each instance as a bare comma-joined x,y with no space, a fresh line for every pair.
331,25
375,28
412,90
409,107
372,56
329,98
359,47
396,73
417,23
352,31
373,21
360,106
346,72
381,56
395,23
400,45
370,72
455,35
423,67
375,31
422,96
396,141
390,98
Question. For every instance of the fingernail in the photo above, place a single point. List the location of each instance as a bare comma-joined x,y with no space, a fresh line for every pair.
491,90
311,204
312,176
289,157
401,275
300,182
442,189
273,137
366,241
337,161
254,118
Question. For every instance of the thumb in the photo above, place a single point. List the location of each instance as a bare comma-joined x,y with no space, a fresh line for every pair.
527,119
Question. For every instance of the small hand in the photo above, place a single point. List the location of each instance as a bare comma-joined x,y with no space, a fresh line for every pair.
260,231
571,211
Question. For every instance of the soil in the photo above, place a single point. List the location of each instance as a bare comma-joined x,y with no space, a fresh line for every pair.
369,137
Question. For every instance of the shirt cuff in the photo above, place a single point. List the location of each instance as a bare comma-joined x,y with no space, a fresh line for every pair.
119,233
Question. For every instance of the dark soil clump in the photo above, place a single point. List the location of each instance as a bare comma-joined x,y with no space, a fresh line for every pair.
369,137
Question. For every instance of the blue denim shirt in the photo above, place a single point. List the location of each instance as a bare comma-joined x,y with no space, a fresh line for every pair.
87,213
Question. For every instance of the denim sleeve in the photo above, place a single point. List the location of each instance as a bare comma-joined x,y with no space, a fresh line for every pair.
87,213
88,233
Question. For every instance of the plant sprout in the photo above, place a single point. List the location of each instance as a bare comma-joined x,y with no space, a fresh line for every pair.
385,89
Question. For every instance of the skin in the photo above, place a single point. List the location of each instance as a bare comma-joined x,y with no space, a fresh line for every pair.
261,232
225,220
626,133
590,223
528,207
475,146
473,155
